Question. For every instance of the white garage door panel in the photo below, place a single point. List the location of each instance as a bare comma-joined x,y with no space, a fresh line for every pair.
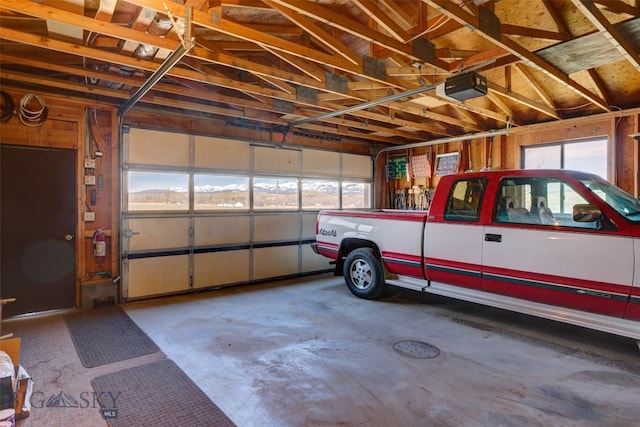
220,268
158,148
276,160
316,162
275,227
311,261
309,226
188,240
273,262
221,230
158,275
158,233
355,166
221,154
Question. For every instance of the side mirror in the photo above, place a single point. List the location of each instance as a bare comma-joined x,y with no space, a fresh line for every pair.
586,213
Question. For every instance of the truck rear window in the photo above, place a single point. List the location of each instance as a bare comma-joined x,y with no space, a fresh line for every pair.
465,200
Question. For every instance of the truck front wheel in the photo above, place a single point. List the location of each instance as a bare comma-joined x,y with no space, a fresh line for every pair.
364,274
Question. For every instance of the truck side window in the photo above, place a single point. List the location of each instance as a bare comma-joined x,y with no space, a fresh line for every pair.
539,201
465,200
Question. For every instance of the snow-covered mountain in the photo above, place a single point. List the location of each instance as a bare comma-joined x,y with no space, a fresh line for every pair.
288,187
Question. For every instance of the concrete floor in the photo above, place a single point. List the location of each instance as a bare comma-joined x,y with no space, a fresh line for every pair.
308,353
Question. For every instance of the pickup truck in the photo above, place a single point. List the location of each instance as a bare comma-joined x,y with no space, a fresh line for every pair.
562,245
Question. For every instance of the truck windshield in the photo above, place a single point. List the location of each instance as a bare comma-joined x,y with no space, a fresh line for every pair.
623,202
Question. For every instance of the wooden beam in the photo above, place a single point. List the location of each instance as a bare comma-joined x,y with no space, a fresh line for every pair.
599,85
381,18
610,32
504,107
537,88
522,100
316,32
341,22
618,6
246,33
527,57
516,30
479,59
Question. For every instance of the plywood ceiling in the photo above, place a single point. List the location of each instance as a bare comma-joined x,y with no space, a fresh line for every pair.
271,63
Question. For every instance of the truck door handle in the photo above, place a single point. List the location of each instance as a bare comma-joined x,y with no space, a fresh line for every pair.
493,237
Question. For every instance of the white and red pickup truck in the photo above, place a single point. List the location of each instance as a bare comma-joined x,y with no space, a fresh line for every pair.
557,244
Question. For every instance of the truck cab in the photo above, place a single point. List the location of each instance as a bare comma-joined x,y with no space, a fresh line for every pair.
558,244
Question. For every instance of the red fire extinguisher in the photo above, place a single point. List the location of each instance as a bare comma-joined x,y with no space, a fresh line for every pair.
99,244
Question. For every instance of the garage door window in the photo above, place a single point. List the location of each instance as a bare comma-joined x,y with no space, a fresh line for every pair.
155,191
320,194
356,195
270,193
220,192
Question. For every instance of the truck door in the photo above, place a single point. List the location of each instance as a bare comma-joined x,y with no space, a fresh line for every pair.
534,250
454,236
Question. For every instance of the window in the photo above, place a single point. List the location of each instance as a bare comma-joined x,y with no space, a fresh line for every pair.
540,201
275,193
585,156
158,191
356,195
220,192
465,200
320,194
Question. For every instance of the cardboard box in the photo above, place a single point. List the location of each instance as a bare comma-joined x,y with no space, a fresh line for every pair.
24,385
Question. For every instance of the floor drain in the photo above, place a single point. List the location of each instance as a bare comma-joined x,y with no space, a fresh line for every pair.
416,349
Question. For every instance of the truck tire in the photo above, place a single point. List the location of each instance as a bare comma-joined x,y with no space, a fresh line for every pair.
364,274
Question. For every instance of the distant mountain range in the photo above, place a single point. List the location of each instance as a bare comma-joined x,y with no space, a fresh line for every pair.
285,188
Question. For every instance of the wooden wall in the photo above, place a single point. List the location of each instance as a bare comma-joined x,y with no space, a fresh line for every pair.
67,121
624,153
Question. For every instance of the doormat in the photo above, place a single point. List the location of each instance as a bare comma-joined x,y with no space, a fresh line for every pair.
106,335
155,394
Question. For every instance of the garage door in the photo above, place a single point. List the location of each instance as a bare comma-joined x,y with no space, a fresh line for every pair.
201,212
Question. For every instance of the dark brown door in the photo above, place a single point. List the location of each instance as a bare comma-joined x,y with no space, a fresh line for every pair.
37,228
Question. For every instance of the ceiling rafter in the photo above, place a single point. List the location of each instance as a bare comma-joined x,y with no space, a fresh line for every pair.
619,6
326,15
537,87
246,33
610,32
557,19
382,18
525,56
516,30
252,64
137,37
506,93
504,107
142,64
254,92
397,11
164,101
599,85
317,33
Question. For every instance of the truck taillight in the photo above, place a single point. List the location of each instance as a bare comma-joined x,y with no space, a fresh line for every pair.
317,224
